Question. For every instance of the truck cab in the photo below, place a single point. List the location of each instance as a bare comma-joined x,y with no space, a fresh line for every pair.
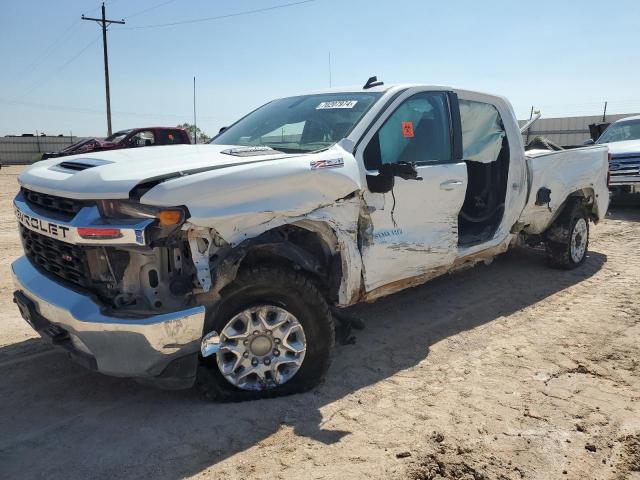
228,265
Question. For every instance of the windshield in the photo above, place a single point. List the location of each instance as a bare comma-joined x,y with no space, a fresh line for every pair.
621,131
116,137
300,124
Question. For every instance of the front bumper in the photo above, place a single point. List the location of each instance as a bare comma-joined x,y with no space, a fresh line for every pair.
625,181
151,347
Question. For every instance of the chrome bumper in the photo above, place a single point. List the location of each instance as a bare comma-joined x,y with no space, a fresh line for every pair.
123,347
624,180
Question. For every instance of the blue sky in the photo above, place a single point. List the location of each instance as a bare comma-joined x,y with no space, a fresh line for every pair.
565,57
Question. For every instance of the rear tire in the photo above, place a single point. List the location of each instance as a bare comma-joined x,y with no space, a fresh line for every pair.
286,291
567,239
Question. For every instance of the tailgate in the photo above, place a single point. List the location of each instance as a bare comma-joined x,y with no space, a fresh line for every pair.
564,172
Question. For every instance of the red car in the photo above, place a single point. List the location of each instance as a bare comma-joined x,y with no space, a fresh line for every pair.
135,137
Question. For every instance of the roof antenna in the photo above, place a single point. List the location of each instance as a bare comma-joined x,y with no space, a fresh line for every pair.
372,82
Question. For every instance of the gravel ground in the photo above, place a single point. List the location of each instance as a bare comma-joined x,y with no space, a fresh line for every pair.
506,371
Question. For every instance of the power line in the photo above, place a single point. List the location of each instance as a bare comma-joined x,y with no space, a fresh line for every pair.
95,111
62,67
219,17
153,7
47,51
61,39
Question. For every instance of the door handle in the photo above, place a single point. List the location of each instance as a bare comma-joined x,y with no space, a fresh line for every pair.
451,184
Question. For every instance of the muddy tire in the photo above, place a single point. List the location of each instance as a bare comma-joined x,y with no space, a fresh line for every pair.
259,308
567,239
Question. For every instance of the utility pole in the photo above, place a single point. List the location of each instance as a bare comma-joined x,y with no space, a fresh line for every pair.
195,125
104,23
604,114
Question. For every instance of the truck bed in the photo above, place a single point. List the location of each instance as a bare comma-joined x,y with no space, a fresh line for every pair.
565,172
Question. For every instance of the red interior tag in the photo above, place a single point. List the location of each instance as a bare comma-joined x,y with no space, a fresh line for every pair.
407,129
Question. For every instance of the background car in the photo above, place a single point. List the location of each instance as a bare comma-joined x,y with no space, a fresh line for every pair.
132,138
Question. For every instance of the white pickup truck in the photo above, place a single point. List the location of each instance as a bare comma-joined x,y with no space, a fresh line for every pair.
226,264
623,139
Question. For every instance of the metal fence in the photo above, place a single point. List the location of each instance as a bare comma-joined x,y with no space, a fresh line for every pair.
23,150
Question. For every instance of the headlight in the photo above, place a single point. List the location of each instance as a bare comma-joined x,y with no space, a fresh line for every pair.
119,209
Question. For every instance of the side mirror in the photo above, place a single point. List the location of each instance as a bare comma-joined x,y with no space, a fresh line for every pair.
404,170
591,141
222,130
385,180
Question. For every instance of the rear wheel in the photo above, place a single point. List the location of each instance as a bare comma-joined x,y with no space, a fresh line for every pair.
275,335
568,239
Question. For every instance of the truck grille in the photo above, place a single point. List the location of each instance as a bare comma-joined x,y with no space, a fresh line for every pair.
66,261
624,165
66,207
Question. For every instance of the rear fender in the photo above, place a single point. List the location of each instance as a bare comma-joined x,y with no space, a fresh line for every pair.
568,173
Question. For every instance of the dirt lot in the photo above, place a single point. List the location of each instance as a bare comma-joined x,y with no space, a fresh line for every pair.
502,372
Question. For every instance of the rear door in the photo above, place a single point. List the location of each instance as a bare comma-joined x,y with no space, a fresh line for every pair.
414,226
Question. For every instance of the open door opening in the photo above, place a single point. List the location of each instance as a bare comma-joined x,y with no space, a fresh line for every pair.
486,153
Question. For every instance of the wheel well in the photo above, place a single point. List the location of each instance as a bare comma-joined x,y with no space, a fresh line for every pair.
299,249
587,197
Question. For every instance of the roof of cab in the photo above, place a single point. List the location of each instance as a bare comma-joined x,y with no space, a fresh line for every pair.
400,86
625,119
390,89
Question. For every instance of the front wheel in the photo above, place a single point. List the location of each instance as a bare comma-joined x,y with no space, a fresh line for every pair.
567,247
275,336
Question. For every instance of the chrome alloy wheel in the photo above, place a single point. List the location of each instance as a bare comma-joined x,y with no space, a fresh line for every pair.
579,238
261,347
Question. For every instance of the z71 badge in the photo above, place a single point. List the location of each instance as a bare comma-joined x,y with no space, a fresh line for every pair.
331,163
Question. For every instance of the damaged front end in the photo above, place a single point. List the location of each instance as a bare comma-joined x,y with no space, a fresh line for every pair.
112,282
133,284
151,278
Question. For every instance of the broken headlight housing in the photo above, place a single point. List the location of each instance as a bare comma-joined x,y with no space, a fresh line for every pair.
126,209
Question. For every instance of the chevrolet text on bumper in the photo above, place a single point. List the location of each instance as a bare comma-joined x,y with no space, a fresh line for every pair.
86,228
227,264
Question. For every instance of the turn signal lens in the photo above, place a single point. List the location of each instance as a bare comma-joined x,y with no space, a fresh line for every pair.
169,217
126,209
101,233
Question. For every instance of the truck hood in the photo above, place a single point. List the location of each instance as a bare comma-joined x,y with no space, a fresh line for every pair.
627,146
228,188
250,192
113,174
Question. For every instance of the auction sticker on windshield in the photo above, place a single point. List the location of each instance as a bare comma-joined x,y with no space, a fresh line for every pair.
337,104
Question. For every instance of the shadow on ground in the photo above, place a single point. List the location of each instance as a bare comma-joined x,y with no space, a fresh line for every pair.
629,212
60,421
